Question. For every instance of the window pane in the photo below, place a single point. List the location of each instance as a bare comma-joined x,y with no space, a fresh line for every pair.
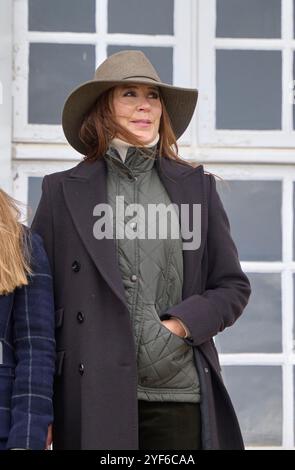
160,57
34,195
248,19
62,15
259,329
54,70
254,210
248,89
256,392
140,16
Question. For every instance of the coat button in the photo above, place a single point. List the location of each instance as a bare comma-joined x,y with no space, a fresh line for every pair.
133,278
81,369
206,370
76,266
80,317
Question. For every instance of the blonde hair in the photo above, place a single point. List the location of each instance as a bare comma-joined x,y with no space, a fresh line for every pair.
14,246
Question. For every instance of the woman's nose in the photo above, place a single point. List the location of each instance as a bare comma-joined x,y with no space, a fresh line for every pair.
143,103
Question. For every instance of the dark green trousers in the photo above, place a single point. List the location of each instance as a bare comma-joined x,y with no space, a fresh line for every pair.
169,425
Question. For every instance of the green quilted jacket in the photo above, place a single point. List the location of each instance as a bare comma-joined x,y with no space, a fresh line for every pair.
152,275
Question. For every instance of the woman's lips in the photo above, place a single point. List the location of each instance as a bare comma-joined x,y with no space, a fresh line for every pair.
141,123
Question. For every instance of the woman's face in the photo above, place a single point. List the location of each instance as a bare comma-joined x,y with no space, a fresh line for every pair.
138,109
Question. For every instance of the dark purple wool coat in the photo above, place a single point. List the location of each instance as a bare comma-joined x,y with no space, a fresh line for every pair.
95,388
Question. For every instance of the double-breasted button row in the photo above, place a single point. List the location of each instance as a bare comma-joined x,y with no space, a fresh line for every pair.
76,266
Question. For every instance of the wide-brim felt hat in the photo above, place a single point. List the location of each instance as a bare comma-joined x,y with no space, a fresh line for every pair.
118,69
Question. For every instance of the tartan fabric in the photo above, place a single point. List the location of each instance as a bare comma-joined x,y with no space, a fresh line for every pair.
28,357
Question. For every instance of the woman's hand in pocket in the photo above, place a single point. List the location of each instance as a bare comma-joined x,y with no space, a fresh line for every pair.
175,326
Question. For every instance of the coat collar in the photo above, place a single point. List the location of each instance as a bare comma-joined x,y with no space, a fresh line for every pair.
86,186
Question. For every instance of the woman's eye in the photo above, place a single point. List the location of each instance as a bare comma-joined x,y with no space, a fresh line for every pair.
129,93
153,94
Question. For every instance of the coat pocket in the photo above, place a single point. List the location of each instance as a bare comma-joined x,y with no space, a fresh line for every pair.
59,317
156,316
60,356
165,360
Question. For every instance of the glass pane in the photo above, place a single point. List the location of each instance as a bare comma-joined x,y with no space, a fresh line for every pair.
54,70
160,57
140,16
259,329
34,195
62,15
248,19
254,210
256,393
248,89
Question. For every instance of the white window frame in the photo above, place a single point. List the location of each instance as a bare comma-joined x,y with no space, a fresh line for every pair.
208,135
181,42
5,93
286,267
23,170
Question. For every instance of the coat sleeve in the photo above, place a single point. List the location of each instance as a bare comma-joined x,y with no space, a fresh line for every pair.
227,286
33,333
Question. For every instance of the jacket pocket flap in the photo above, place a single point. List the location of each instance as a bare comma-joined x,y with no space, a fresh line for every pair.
59,362
59,315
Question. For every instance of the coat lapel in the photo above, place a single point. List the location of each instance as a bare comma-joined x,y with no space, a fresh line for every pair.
83,190
185,186
87,186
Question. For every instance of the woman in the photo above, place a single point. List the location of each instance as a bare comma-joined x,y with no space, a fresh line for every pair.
138,304
27,344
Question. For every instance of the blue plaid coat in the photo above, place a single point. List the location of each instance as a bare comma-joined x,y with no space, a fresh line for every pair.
27,357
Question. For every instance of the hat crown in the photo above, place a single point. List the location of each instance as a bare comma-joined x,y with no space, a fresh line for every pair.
126,65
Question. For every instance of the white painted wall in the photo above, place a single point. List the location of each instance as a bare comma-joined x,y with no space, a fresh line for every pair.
5,93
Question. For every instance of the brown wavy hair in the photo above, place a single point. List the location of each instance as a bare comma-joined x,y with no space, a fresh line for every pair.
15,245
99,127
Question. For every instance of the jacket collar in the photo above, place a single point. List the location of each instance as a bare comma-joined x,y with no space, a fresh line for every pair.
167,168
137,160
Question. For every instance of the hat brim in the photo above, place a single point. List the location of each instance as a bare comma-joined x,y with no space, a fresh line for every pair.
180,104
